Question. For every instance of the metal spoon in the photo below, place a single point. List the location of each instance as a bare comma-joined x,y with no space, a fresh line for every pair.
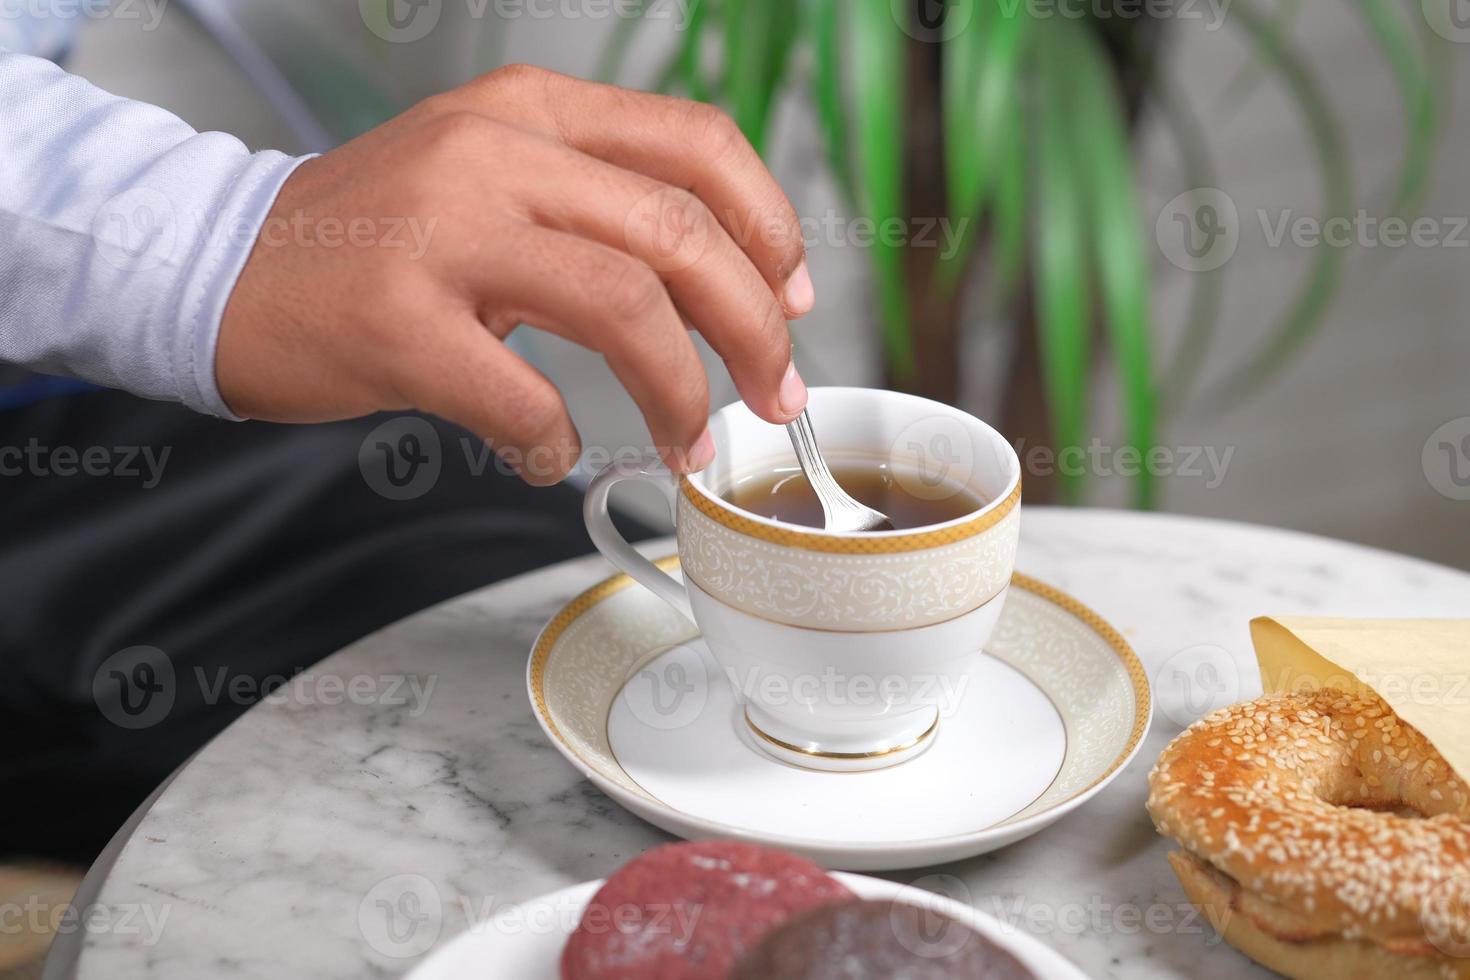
841,511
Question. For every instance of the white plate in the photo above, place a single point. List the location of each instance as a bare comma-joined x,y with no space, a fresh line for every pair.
525,941
1030,729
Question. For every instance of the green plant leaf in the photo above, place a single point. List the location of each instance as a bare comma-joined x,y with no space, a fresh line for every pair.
1412,76
1062,275
347,101
1436,54
686,67
1307,311
1249,77
826,25
1100,137
983,67
1011,197
758,39
878,136
963,56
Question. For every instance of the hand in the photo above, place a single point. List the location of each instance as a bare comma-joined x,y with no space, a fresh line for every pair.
613,218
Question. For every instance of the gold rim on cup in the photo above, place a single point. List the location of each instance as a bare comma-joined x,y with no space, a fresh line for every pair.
883,543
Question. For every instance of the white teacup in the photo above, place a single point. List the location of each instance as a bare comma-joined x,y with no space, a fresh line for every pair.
842,646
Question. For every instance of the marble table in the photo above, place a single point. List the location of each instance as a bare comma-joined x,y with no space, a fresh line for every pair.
401,790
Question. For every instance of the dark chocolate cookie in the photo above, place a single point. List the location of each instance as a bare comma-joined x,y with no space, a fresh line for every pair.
876,940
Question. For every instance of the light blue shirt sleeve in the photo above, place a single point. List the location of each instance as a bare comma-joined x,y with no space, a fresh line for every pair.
122,234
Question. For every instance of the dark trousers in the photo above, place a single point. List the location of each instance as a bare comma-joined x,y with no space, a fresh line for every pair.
159,568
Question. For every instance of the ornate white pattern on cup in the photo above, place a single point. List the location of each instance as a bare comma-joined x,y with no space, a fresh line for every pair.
846,593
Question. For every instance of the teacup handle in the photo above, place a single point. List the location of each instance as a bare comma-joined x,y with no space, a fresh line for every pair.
612,544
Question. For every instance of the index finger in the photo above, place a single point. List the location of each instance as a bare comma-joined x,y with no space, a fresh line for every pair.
678,142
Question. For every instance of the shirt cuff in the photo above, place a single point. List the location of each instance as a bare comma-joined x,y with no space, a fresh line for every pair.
215,271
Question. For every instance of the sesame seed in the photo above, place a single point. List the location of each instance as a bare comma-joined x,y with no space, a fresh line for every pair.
1274,814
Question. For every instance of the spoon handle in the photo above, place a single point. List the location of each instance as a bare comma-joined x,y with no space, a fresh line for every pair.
841,512
804,441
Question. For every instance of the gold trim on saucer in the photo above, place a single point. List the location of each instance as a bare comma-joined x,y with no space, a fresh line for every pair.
858,544
819,754
569,614
1143,707
579,606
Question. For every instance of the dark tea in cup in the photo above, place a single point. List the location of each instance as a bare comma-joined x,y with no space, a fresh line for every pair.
910,499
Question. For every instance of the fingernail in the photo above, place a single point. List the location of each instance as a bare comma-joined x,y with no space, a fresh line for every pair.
800,295
792,395
702,453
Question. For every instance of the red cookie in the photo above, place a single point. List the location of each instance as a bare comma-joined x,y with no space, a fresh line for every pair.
689,911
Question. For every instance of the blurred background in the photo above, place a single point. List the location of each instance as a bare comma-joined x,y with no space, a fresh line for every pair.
1110,220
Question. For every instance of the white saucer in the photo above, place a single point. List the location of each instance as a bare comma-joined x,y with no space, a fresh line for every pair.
525,942
1028,731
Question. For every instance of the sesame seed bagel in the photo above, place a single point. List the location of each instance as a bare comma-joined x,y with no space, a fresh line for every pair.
1320,817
